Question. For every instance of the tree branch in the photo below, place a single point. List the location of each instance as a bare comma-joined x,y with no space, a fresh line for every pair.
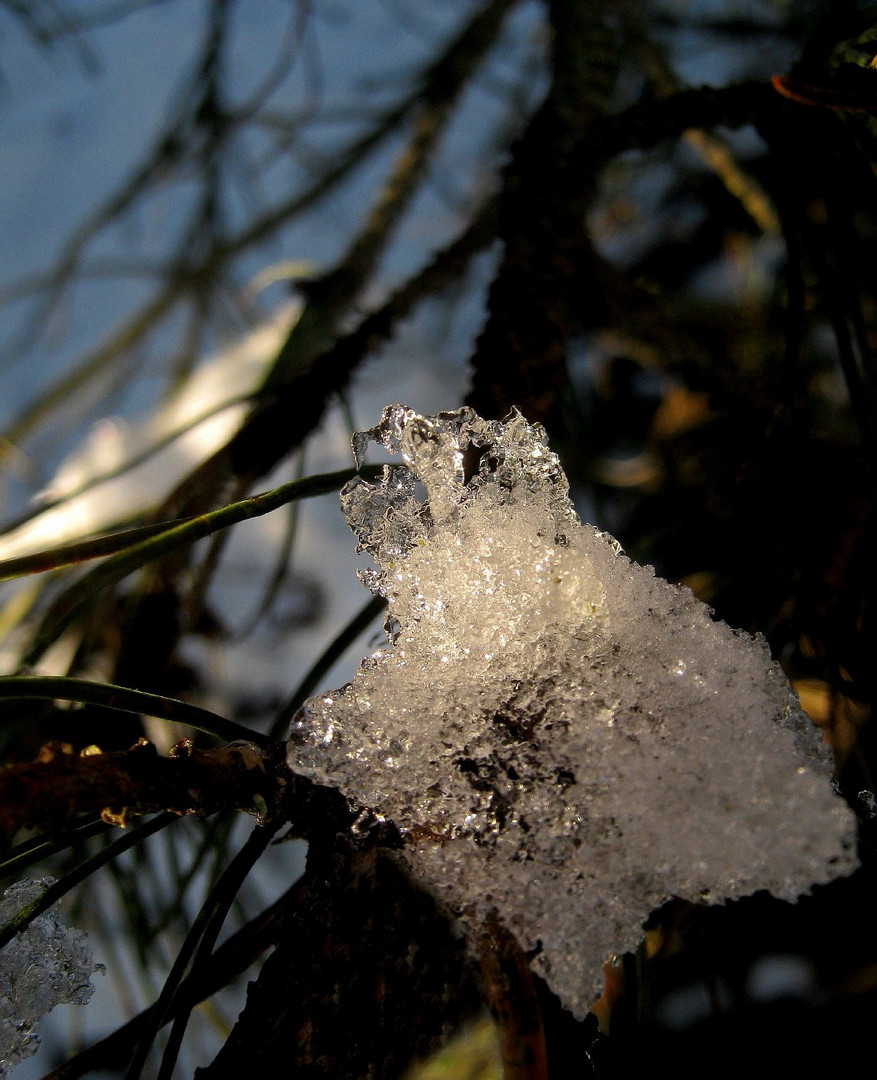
59,785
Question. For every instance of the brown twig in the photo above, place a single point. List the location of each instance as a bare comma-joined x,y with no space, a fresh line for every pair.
59,785
536,298
511,995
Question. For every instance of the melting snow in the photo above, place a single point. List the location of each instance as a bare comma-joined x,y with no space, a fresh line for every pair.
561,736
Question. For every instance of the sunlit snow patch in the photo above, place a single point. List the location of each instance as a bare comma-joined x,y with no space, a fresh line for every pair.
124,468
561,736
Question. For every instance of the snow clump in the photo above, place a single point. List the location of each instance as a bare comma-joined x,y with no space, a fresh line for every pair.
45,965
563,738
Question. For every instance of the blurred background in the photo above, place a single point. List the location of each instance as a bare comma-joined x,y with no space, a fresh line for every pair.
233,230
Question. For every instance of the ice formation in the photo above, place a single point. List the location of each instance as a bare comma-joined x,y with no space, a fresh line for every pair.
561,736
45,965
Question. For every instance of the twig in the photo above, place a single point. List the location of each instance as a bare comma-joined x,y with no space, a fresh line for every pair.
46,793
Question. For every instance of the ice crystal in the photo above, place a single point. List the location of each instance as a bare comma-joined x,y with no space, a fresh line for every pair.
45,965
561,736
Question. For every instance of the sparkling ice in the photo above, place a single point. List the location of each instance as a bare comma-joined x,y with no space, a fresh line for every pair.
561,736
45,965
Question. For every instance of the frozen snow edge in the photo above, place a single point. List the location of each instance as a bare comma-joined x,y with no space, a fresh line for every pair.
562,737
45,965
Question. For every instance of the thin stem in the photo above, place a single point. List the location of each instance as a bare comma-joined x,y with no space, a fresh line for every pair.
79,873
